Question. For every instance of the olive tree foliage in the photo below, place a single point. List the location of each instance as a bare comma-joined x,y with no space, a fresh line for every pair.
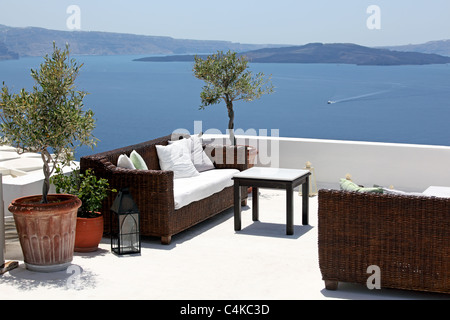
50,118
227,78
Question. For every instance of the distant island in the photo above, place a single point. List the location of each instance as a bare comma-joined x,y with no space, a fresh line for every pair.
37,42
441,47
5,54
339,53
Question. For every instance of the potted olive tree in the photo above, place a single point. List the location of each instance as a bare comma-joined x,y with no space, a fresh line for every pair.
49,120
91,191
228,79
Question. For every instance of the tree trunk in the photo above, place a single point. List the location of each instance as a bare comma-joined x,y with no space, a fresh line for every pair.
231,122
46,158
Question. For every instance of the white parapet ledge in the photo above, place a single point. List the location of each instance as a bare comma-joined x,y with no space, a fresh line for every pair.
224,137
22,174
12,172
411,167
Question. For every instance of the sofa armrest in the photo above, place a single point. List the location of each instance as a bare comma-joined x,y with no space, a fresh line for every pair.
228,157
152,190
142,183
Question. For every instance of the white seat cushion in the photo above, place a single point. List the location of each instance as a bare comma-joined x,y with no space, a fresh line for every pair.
202,186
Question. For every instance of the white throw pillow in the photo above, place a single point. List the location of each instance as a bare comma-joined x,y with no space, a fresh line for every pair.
176,157
185,143
125,162
200,159
138,161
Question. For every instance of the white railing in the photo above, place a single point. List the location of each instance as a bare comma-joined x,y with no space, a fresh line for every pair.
405,166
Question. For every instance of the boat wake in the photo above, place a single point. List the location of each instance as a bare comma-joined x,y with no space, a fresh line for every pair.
358,97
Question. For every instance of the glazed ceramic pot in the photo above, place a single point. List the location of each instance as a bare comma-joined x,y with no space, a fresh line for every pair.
46,231
89,233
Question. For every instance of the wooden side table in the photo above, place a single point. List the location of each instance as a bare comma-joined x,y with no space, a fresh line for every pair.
275,178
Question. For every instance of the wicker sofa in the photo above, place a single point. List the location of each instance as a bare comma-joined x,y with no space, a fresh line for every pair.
153,189
407,237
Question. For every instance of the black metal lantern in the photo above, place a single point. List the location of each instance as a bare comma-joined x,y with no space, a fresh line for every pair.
125,221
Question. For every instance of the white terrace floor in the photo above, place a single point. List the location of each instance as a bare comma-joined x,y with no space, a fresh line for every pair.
208,262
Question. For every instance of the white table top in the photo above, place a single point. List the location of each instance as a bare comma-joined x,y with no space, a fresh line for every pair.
277,174
436,191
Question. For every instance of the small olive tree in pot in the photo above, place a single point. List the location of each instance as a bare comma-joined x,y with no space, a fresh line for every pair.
48,120
228,79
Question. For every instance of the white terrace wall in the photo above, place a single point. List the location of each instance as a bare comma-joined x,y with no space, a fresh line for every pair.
26,185
407,167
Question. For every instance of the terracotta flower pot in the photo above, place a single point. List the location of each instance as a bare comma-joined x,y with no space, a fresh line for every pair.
89,234
46,231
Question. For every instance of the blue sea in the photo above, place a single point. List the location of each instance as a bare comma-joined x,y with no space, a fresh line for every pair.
138,101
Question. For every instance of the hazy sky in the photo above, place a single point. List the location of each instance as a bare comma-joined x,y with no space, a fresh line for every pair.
246,21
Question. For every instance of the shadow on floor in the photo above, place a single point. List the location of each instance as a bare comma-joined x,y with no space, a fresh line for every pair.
74,278
273,230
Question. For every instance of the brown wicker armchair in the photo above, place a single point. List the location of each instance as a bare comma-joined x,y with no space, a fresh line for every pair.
407,237
152,189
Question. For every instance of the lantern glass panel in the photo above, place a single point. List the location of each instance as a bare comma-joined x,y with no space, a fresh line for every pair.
125,237
129,232
125,229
